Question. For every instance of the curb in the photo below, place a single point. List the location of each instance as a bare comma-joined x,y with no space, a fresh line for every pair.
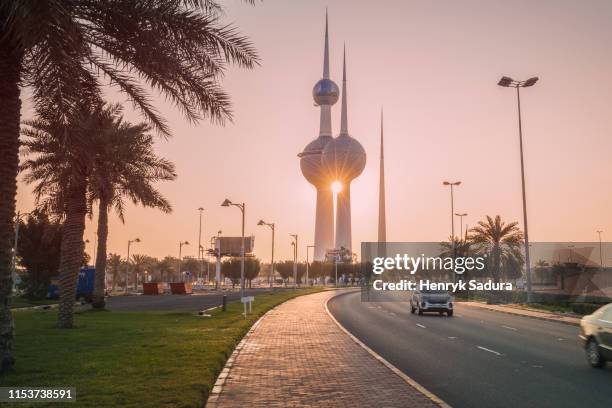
432,397
510,312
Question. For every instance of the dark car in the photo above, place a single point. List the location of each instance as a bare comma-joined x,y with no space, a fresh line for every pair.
431,301
596,336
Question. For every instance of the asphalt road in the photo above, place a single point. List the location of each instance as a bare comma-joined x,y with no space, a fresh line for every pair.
480,358
184,303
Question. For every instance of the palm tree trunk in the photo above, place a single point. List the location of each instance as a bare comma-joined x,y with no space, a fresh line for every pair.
100,277
10,67
72,249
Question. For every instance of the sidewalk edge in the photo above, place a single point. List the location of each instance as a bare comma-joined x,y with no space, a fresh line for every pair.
220,382
434,398
510,312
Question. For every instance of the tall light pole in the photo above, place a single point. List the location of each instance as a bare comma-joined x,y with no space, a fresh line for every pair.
600,251
127,263
213,242
201,210
228,203
180,259
295,252
307,262
461,222
271,225
508,82
570,253
453,184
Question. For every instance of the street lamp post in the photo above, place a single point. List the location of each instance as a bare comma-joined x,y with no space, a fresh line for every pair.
127,263
307,262
461,222
600,251
228,203
217,251
453,184
180,259
201,210
508,82
295,254
271,225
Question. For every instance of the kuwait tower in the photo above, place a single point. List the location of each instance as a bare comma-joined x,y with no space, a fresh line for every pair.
344,158
325,94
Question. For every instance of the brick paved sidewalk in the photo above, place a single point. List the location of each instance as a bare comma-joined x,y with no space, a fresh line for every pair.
298,357
535,314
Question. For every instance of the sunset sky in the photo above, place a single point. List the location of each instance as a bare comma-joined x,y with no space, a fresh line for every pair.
434,66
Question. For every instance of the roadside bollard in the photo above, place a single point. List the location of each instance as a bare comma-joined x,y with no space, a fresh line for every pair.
224,304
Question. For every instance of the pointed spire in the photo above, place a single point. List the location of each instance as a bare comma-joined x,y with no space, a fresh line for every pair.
382,219
326,52
343,117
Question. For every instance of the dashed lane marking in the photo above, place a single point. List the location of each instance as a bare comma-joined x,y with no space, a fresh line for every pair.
489,350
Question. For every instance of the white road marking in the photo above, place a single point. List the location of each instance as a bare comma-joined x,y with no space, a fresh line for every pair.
537,366
452,337
560,339
489,350
510,328
392,314
421,326
459,315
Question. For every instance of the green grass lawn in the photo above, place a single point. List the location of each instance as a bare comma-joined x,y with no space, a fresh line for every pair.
131,359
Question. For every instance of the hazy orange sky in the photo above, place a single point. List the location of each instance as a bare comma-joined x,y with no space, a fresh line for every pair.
434,66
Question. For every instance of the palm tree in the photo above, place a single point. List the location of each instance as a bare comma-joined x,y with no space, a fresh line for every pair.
62,48
138,262
114,265
501,243
167,268
125,166
63,161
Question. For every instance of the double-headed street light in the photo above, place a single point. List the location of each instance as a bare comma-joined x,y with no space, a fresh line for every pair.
180,258
228,203
271,225
200,257
508,82
295,255
452,184
127,263
461,215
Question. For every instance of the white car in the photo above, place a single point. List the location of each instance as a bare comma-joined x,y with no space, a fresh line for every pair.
431,301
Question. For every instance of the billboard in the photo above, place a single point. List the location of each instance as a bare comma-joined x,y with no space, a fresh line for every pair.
231,246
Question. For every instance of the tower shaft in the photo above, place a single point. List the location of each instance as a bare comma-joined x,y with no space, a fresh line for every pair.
343,218
324,223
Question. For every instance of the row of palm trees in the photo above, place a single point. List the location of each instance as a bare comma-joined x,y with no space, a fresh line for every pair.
501,242
114,161
65,52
